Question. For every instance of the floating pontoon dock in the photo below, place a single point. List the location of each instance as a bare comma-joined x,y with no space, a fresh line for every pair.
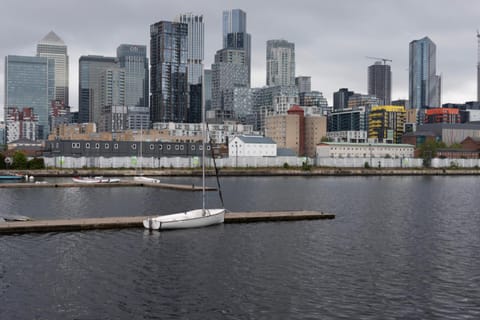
63,225
180,187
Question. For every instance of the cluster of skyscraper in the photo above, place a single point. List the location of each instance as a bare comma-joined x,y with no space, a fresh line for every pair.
113,91
126,92
130,92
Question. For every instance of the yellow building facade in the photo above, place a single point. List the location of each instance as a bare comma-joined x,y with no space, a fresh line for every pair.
386,123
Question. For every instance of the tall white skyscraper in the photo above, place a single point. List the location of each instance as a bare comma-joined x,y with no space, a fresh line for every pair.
280,63
195,44
52,47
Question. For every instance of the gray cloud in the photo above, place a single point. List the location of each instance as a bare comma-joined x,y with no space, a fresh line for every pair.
331,38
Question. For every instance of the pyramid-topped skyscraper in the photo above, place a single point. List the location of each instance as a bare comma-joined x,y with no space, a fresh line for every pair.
53,47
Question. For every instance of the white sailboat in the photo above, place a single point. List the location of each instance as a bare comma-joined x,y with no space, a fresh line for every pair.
193,218
189,219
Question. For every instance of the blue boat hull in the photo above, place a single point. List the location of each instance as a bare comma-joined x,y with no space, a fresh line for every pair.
11,177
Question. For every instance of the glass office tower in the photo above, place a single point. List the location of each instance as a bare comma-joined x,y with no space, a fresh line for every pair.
168,72
51,46
424,84
195,55
29,83
195,45
91,71
133,60
235,35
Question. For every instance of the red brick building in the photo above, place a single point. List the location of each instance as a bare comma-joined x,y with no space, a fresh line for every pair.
470,150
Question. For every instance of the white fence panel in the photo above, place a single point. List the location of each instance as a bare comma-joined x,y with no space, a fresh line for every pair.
250,162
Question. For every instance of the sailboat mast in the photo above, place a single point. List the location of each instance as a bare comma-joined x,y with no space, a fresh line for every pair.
204,135
141,145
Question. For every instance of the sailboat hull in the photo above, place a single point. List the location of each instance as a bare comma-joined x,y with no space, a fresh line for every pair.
186,220
146,179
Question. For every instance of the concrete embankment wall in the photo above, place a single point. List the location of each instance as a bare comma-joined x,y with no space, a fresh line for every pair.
225,172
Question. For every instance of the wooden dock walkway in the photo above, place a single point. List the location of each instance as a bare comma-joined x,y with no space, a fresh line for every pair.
180,187
63,225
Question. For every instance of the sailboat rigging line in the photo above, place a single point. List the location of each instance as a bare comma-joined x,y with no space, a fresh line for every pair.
216,170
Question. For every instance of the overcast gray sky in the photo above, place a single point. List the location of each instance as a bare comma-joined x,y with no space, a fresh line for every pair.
332,38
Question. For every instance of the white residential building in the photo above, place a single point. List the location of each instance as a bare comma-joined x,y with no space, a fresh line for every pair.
364,150
348,136
195,45
280,63
252,146
220,133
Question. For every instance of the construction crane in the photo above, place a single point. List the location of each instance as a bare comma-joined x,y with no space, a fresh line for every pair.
382,59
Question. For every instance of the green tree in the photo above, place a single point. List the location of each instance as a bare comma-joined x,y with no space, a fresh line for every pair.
455,146
3,165
19,161
306,166
36,163
428,151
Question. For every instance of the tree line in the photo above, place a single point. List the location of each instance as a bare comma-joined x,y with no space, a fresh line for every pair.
19,161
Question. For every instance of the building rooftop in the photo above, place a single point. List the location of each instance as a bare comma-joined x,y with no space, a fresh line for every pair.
420,133
285,152
52,38
474,139
256,139
296,108
366,144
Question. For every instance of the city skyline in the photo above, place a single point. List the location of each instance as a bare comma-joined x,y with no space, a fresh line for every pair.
331,42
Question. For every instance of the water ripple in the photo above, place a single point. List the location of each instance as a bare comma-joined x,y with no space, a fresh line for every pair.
400,248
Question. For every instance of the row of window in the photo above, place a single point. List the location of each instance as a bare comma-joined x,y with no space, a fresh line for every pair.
76,145
370,149
348,155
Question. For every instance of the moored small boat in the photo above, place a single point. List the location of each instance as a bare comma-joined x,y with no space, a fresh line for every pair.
95,180
85,180
146,179
11,177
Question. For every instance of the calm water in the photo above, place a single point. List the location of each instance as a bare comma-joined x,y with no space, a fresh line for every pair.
400,248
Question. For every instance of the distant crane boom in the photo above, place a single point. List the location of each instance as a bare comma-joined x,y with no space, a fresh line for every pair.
382,59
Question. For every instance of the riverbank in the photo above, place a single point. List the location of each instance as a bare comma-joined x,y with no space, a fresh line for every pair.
246,172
